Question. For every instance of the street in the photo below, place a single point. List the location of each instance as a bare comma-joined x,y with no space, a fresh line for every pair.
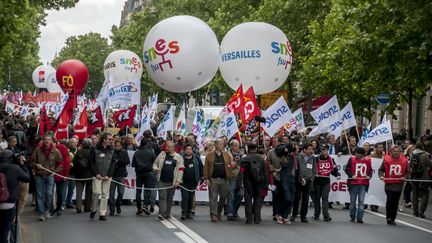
127,227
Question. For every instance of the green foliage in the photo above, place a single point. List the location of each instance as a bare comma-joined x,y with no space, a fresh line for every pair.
19,29
91,49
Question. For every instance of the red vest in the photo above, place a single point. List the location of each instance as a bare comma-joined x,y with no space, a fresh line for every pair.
325,167
394,168
361,169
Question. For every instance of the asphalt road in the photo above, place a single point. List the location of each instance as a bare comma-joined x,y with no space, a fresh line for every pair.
127,227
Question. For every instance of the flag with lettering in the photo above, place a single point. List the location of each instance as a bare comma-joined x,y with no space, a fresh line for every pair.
198,122
379,134
81,126
167,124
228,127
276,116
236,105
327,118
347,116
251,107
297,121
144,124
181,121
61,126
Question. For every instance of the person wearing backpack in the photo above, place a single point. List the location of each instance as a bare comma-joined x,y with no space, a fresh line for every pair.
10,177
81,170
253,177
420,167
307,166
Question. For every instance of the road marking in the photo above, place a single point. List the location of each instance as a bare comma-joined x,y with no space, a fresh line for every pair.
412,216
184,237
402,222
168,224
188,231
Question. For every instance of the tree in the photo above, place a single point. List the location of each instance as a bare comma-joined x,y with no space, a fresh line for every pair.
20,22
92,49
364,48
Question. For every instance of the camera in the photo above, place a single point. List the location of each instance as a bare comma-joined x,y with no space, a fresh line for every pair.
284,150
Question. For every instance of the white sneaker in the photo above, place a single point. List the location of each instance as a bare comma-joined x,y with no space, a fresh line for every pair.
47,215
401,209
41,218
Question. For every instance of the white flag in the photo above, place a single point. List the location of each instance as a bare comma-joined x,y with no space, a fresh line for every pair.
347,116
144,124
327,117
181,121
379,134
153,101
197,123
384,119
276,116
227,127
297,121
125,94
167,124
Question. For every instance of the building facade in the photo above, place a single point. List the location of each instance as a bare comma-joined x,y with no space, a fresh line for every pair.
130,7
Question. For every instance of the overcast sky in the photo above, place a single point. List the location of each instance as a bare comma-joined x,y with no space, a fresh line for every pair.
87,16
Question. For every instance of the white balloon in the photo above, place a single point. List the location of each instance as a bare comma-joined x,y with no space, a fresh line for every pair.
255,54
52,85
121,66
181,54
40,75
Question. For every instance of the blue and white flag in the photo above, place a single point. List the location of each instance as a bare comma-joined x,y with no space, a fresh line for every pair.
328,118
276,116
153,101
198,122
144,124
297,121
384,119
379,134
364,136
347,116
167,124
227,127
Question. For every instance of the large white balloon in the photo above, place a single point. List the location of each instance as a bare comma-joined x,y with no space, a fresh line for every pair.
181,54
121,66
52,85
255,54
40,75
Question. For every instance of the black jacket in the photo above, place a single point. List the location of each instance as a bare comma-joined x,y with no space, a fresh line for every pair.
121,160
198,166
143,160
101,162
81,166
14,175
253,171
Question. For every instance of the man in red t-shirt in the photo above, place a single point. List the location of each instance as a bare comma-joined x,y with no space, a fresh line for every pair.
393,172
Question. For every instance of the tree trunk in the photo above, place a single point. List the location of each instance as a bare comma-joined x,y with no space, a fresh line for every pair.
410,114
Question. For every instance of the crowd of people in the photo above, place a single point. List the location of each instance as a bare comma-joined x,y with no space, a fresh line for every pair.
293,167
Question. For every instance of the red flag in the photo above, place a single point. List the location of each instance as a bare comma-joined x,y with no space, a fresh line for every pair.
61,126
95,121
236,104
80,129
125,117
44,122
251,108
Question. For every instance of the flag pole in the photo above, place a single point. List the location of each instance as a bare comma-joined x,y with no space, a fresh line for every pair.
348,145
358,135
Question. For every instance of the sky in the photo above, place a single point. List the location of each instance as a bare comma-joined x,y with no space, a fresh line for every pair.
87,16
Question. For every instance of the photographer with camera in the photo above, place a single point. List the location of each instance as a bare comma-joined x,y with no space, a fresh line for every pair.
288,174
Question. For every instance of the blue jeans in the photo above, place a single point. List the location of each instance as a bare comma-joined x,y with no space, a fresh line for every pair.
357,192
44,193
234,199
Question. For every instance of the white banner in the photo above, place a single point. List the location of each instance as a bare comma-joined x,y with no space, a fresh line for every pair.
181,121
23,110
125,94
153,102
276,116
380,134
339,189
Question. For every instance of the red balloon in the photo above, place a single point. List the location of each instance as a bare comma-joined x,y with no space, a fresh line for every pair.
72,76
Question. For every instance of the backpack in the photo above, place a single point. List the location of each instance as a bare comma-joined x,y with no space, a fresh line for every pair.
4,192
255,173
417,169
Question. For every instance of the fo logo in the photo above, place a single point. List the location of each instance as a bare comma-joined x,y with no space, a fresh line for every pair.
162,48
